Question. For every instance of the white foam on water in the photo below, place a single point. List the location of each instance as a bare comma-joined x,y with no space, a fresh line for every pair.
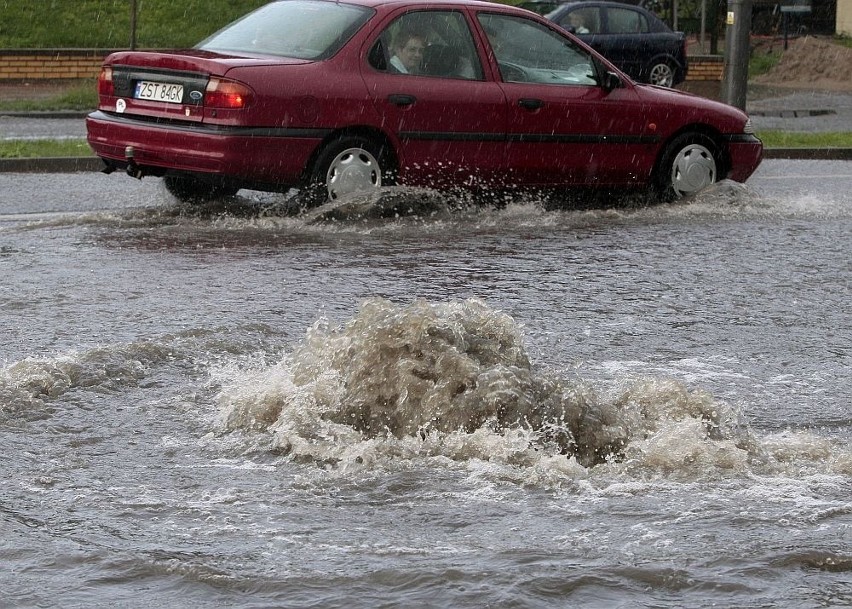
405,383
31,381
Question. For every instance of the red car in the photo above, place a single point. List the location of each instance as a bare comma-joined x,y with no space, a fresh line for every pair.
334,97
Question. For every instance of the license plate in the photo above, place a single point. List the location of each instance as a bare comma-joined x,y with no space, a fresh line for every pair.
159,91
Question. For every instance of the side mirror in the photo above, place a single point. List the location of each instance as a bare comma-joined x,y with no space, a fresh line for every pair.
612,81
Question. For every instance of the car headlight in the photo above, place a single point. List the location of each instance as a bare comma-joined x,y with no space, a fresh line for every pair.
748,128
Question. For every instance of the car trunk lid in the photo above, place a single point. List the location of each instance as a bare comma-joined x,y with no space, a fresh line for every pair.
170,86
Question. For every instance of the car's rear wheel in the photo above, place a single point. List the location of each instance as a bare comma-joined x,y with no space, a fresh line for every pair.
691,162
192,190
662,73
348,165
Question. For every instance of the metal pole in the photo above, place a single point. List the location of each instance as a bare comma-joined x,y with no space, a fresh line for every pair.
737,51
703,24
132,25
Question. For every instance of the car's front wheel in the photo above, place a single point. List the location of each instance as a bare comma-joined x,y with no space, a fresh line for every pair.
661,73
690,162
192,190
348,165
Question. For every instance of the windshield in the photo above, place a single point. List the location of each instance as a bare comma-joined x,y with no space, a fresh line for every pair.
304,29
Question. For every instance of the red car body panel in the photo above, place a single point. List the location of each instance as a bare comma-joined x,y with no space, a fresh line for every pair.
455,132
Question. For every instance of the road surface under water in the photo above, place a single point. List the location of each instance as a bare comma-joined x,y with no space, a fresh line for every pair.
481,407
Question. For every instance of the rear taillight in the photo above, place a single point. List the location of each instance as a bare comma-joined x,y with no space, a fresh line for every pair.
105,85
226,94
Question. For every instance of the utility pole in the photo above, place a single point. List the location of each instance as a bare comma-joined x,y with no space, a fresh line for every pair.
132,25
737,52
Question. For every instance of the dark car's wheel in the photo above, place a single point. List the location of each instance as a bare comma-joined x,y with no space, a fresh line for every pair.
691,162
347,165
193,190
662,73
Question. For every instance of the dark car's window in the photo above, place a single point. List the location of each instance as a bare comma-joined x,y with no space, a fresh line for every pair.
626,21
302,29
527,51
542,8
582,20
428,43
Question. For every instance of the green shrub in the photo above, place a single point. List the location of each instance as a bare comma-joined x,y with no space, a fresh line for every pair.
761,62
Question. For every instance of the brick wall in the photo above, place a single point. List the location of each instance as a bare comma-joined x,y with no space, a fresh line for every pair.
57,64
705,67
52,64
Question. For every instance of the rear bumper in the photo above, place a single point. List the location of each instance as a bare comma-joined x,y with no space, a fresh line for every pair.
249,154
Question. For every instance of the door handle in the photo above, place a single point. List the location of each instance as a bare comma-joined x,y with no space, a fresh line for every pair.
400,99
530,104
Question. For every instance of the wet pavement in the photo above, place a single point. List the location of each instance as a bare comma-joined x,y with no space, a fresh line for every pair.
802,111
35,126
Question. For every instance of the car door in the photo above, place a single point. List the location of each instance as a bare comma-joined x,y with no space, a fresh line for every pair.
564,127
449,120
626,39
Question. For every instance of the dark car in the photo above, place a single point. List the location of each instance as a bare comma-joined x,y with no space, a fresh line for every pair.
631,37
341,96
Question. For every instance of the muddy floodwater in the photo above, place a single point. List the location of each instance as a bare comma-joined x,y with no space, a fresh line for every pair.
507,405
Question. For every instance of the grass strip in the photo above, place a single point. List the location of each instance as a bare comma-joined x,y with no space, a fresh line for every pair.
793,139
32,149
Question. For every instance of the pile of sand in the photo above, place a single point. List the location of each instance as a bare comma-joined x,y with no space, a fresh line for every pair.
812,63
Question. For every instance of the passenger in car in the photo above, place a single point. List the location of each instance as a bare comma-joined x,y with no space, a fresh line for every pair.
407,48
578,23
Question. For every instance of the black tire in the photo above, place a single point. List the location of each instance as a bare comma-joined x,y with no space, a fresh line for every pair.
192,190
345,165
689,163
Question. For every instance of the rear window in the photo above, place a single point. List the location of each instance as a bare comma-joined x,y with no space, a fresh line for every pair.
303,29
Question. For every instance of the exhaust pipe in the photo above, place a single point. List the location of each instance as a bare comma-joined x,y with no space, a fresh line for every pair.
133,170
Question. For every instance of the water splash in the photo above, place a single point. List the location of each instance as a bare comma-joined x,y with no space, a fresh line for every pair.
454,381
30,382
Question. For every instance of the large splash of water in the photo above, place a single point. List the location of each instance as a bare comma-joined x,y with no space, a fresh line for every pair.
454,380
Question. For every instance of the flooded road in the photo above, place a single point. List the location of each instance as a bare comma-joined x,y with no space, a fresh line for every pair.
481,407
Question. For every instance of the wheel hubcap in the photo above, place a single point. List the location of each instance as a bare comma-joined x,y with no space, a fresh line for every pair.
353,170
662,74
693,169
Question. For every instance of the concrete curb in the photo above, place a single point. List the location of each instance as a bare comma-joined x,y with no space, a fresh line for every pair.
81,164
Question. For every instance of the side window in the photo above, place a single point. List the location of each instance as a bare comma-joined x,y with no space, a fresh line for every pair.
427,43
527,51
582,21
626,21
